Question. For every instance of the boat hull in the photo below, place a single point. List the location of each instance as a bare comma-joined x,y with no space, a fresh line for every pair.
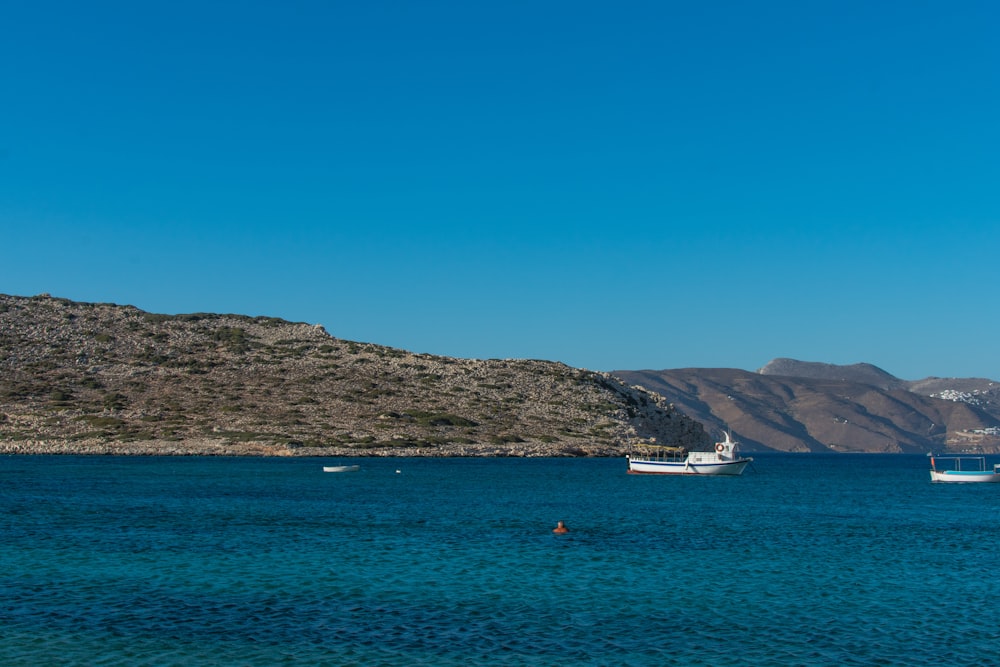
731,468
341,468
964,476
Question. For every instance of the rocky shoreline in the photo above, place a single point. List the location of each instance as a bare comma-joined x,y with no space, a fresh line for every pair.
220,447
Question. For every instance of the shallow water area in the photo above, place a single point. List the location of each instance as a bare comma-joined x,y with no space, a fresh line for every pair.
804,560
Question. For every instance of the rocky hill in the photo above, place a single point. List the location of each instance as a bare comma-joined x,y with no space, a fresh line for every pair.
796,406
104,378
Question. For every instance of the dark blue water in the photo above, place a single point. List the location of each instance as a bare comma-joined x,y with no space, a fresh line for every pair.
806,560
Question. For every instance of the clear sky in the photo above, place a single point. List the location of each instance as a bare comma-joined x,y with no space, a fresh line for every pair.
626,185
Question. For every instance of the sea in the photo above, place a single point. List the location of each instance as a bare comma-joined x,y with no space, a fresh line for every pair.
803,560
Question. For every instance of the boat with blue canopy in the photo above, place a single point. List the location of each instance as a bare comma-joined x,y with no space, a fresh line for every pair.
963,469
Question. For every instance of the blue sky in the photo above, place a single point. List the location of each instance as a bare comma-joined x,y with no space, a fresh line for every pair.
634,185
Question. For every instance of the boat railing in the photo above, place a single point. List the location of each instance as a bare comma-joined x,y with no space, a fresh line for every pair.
663,453
978,463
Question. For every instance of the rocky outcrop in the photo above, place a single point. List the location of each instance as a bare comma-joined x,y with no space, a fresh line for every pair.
110,379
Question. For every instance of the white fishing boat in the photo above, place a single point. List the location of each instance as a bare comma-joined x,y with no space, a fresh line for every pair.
963,469
663,460
341,468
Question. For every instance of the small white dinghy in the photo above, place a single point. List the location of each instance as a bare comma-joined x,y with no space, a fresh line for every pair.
341,468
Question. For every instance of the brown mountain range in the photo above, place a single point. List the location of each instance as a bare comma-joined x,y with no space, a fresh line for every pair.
104,378
797,406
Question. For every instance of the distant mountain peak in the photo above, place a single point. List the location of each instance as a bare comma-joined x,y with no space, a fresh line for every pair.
862,372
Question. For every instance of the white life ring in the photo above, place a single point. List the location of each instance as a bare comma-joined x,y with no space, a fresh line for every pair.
719,447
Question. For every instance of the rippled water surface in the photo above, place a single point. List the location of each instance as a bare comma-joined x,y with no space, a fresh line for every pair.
804,560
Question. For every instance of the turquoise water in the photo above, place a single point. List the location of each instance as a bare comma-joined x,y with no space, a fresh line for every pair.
804,560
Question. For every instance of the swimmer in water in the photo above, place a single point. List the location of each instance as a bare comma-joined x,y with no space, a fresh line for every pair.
560,528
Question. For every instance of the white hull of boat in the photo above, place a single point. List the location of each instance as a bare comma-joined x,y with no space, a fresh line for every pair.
964,476
341,468
639,466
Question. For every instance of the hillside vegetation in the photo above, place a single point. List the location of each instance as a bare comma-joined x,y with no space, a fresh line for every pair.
105,378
